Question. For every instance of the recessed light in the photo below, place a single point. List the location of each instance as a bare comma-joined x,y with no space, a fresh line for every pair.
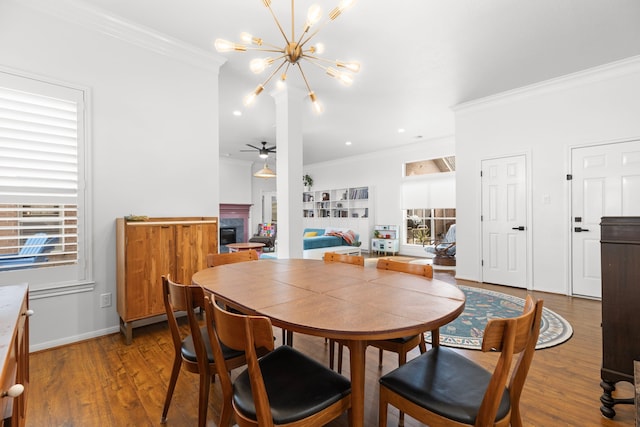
401,130
237,113
347,143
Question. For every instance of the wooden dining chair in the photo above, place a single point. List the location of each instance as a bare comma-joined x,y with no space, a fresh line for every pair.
231,257
284,387
403,345
347,259
192,350
400,346
242,256
443,388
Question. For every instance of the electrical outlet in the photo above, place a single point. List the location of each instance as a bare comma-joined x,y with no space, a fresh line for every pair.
105,300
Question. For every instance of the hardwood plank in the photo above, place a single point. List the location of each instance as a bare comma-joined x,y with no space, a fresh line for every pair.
103,382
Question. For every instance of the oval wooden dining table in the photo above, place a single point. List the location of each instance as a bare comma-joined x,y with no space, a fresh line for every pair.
335,300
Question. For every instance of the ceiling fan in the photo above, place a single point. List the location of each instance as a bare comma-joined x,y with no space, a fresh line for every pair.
264,151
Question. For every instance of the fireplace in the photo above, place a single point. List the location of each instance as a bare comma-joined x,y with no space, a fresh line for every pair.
227,235
234,224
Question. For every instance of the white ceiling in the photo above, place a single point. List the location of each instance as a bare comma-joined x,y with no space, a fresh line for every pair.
419,58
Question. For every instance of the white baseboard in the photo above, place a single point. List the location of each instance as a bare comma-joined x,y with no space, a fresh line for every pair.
73,339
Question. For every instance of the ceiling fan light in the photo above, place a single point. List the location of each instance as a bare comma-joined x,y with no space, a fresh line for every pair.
263,155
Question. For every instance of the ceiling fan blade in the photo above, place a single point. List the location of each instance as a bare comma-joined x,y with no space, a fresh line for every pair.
253,146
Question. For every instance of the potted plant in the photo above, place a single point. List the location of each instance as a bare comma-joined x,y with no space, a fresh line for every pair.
308,182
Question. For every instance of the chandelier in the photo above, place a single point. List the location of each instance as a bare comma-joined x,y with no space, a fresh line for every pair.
294,52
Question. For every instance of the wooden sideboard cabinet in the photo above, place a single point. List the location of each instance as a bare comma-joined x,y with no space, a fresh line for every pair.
146,250
620,258
14,354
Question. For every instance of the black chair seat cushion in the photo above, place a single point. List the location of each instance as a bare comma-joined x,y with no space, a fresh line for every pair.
402,340
297,386
189,352
446,383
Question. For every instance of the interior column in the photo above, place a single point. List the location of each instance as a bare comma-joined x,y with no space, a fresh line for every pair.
289,106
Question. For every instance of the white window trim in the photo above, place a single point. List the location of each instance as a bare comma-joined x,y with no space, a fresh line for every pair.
40,279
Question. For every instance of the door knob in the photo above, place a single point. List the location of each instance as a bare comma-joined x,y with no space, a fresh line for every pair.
521,228
580,229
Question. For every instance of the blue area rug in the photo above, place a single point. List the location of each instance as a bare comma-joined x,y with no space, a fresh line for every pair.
482,305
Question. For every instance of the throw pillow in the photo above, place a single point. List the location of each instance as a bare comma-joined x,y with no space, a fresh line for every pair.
311,234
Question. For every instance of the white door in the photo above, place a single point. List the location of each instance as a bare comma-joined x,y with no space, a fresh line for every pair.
605,182
504,221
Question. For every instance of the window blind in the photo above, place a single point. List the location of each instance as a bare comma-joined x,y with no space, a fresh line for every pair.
39,173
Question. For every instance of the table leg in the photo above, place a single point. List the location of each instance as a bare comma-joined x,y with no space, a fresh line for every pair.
357,350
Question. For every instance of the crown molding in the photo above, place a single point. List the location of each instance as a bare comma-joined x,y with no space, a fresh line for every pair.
590,75
103,22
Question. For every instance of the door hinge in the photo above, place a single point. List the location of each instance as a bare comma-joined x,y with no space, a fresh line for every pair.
482,263
569,177
480,173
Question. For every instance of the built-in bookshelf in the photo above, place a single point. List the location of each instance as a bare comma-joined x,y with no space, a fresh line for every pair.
340,203
343,207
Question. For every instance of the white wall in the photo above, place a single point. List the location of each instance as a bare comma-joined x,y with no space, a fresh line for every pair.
382,172
235,181
154,140
544,122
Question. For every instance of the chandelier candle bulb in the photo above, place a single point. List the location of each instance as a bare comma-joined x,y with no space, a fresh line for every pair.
258,65
227,46
249,39
248,100
313,16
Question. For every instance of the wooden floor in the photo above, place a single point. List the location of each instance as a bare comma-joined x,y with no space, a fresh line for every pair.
103,382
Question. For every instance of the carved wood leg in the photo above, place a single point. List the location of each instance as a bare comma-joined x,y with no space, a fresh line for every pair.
608,401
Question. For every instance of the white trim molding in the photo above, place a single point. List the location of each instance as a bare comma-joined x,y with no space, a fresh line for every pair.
103,22
590,75
61,289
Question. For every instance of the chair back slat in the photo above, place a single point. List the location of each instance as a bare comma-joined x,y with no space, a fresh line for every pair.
243,333
187,298
494,338
509,336
214,260
425,270
231,329
347,259
521,368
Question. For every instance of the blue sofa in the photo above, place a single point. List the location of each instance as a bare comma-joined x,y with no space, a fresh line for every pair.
322,240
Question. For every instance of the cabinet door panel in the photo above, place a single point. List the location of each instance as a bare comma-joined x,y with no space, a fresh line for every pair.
193,243
150,254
